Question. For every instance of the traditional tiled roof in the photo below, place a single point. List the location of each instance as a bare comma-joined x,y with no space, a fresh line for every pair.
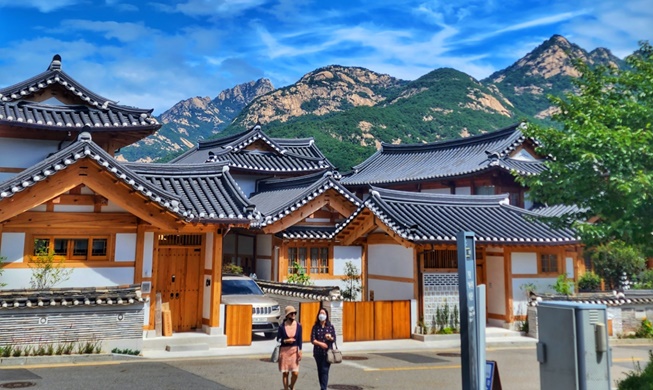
71,297
284,156
447,159
555,211
206,192
277,198
93,110
84,148
308,233
315,293
425,217
628,297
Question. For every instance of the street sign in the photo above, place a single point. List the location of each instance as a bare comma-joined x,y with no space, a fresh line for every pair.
472,324
492,379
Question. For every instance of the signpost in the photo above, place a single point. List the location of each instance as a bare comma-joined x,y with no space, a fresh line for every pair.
472,315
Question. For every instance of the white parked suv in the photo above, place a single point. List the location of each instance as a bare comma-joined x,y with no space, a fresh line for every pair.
243,290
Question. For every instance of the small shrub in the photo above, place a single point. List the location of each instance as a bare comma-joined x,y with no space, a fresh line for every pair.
589,281
98,348
49,350
39,350
7,350
564,285
126,351
28,351
231,268
645,329
16,352
68,348
644,280
446,330
639,379
59,350
299,275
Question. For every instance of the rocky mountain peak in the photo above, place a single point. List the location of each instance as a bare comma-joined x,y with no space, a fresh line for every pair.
246,92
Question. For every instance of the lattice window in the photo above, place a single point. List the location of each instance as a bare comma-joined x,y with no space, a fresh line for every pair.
72,247
549,263
314,260
446,258
180,239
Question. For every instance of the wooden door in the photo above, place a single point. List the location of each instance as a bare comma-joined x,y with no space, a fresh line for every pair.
179,280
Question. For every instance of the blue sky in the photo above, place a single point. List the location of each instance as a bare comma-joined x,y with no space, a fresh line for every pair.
152,54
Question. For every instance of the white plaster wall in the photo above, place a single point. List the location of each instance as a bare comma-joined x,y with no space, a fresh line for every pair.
13,247
524,263
80,277
264,245
206,299
519,303
73,209
463,190
264,269
23,153
385,290
496,285
569,267
148,254
208,251
390,260
125,247
438,190
246,183
111,207
344,254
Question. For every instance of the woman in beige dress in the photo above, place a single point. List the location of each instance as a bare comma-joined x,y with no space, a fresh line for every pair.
290,353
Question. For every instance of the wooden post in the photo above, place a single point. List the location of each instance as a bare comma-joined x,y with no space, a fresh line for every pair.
216,280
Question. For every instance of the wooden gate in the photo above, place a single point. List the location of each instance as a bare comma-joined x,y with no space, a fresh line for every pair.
307,315
179,276
376,320
238,325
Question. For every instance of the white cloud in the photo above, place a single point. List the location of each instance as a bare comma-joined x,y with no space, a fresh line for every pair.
41,5
217,8
125,32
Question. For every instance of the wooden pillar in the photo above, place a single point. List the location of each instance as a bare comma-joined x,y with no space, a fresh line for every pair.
216,280
416,273
364,282
155,270
140,248
507,264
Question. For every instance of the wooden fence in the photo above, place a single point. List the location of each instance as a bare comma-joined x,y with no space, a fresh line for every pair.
377,320
238,325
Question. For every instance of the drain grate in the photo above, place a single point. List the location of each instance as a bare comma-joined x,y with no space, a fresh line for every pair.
345,387
449,354
17,385
354,357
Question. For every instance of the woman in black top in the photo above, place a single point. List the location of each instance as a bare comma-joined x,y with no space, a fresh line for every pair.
323,335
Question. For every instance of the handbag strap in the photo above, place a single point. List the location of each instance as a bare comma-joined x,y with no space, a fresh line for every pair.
334,344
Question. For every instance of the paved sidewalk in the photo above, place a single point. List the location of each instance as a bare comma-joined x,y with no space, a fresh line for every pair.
495,338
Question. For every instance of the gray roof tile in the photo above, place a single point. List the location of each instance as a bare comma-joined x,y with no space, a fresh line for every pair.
422,217
63,297
93,110
447,159
206,192
285,156
277,198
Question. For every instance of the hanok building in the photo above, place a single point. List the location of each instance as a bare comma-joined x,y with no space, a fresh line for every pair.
112,223
425,193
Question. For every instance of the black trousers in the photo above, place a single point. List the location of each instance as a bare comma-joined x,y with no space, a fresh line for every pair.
322,370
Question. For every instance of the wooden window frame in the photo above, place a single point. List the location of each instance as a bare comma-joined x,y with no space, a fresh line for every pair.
70,256
307,262
540,264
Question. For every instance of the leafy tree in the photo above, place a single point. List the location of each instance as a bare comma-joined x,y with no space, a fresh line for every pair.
2,259
299,275
352,282
602,158
616,258
47,271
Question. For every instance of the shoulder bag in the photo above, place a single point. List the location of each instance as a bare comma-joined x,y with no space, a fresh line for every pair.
334,356
275,353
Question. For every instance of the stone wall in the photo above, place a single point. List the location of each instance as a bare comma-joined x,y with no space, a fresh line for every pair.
111,326
439,288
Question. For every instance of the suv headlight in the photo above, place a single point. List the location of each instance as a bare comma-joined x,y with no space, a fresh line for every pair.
276,308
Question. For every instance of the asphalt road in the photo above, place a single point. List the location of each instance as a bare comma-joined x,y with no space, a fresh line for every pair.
437,369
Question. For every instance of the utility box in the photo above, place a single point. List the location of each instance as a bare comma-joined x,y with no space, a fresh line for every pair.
573,348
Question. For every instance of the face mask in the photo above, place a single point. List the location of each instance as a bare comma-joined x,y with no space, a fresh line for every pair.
322,317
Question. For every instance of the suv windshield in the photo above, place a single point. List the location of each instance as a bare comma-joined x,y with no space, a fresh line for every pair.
240,287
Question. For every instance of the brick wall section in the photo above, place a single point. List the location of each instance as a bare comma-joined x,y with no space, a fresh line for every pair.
439,288
531,313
